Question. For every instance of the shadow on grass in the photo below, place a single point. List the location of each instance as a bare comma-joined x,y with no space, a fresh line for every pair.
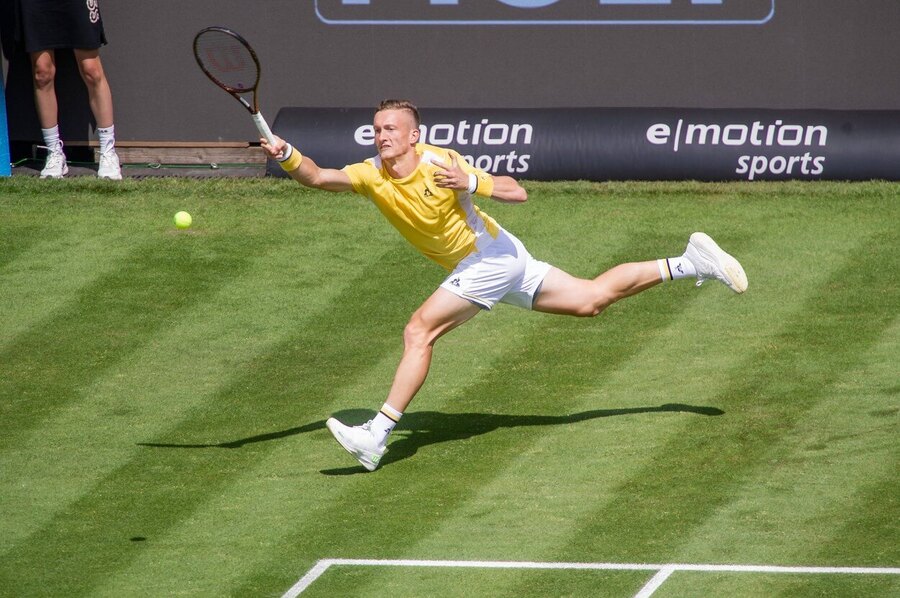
422,428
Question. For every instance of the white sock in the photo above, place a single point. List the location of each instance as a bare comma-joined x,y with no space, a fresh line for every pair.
52,139
674,268
107,137
384,423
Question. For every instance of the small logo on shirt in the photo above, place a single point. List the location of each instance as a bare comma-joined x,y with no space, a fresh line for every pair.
93,10
428,192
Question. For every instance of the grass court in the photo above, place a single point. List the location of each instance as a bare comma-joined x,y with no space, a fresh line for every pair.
163,395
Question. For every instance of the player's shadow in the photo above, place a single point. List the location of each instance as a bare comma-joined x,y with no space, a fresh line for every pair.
423,428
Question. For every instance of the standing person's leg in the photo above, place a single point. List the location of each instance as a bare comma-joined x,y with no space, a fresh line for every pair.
442,312
100,97
43,70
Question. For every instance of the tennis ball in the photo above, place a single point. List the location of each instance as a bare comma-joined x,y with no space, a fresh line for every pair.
182,220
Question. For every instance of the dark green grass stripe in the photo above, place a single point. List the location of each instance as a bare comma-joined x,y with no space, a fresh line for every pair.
42,370
695,474
17,240
175,475
366,520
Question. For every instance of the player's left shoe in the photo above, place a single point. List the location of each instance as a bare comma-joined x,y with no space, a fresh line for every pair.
712,262
358,441
109,166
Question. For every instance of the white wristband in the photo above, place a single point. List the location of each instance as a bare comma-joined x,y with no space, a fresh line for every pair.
286,152
473,183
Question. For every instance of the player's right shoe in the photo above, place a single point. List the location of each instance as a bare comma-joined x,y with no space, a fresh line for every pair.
713,263
55,167
358,441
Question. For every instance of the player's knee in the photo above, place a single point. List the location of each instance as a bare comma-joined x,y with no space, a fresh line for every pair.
589,310
594,302
416,334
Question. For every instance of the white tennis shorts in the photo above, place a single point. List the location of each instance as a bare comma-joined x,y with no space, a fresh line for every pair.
503,271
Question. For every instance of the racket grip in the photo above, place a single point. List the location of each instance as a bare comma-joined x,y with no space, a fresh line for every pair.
263,127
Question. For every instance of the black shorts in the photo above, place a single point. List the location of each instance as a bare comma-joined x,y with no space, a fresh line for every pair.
57,24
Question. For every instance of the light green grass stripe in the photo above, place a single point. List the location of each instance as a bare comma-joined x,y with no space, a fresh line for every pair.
40,281
198,353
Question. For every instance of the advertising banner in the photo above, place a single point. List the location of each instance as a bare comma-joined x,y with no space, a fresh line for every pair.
602,144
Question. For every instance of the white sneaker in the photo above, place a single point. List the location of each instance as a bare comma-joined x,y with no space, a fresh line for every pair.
109,166
358,441
711,262
55,167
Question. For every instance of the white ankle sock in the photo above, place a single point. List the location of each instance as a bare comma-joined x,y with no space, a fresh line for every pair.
674,268
107,137
52,139
384,423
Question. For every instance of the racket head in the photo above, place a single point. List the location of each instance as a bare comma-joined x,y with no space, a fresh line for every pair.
228,60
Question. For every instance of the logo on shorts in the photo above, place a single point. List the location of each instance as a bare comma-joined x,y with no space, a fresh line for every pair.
455,282
428,192
93,10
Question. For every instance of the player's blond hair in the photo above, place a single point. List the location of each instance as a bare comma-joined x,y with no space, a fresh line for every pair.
400,105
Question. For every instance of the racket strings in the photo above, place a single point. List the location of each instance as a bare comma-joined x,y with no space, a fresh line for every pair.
227,61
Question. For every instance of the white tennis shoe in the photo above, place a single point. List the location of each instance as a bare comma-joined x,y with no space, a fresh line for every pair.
109,166
711,262
55,167
358,441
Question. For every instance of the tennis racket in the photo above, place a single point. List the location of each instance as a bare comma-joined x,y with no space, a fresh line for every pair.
230,62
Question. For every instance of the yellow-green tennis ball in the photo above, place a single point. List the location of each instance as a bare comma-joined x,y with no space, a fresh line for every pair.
182,220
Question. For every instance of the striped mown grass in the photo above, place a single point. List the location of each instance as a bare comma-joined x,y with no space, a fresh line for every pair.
163,395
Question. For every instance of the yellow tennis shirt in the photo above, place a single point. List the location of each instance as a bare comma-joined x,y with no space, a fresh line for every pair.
444,224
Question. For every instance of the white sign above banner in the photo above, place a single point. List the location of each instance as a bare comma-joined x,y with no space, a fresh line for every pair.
545,12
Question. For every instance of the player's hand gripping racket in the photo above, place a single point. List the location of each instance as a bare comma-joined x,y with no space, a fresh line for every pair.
230,62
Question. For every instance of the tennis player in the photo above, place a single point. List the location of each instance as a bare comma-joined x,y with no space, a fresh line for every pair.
427,193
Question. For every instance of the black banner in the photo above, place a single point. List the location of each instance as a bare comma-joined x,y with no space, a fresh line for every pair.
626,144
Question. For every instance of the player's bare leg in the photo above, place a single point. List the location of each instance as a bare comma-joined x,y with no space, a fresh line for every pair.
441,313
703,259
562,293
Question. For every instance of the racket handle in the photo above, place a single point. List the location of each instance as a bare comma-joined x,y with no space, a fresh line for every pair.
263,127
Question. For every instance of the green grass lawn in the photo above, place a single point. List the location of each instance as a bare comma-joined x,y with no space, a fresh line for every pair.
163,396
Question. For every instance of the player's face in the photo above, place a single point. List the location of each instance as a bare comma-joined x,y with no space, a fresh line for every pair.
395,133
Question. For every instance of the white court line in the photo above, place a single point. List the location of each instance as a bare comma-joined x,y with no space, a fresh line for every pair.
662,571
657,580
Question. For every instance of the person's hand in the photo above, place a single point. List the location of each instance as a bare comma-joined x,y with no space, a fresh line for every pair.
451,176
273,151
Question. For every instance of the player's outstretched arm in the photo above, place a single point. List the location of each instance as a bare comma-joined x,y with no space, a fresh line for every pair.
303,170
